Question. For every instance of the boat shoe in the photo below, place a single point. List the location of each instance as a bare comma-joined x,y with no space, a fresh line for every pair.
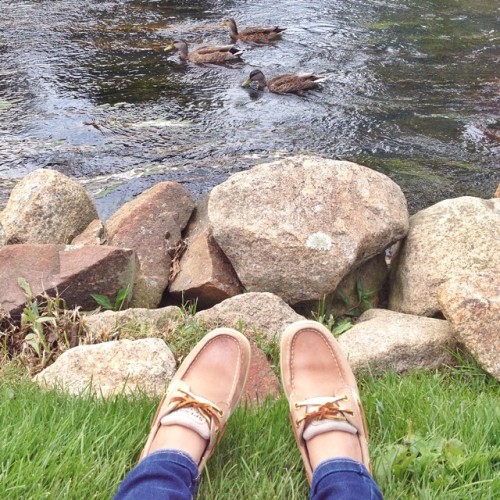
205,389
320,387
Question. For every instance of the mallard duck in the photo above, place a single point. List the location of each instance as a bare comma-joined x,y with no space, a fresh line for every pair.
283,84
206,53
257,35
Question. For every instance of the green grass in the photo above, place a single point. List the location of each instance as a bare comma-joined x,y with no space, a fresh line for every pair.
56,446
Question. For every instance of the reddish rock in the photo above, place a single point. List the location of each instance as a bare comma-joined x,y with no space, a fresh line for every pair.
74,272
151,224
497,192
262,381
205,274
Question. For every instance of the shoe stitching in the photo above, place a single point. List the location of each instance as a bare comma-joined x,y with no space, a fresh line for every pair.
292,354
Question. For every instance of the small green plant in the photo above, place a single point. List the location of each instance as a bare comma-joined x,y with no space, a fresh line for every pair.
362,302
326,318
105,302
437,458
189,307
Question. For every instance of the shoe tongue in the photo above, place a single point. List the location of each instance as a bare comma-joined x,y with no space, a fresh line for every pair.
321,426
190,418
317,427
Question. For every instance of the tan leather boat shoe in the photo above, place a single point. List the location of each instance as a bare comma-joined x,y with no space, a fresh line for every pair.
320,387
206,389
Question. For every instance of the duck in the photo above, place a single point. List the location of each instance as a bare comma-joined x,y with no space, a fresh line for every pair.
253,34
206,53
296,83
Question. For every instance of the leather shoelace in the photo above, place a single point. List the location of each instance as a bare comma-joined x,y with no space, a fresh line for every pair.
206,408
329,409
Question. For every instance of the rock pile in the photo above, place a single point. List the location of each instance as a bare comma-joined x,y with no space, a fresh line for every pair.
293,233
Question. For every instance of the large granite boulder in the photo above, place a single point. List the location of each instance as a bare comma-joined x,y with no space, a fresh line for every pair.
151,224
45,207
255,314
73,272
450,239
133,323
203,272
385,340
297,226
472,306
111,368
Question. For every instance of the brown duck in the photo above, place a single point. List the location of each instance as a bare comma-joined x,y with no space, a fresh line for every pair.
284,84
206,53
253,34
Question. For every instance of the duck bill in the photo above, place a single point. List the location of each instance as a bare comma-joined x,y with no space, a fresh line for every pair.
246,83
169,47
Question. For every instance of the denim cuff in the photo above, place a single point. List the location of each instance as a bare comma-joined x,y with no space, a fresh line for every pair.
332,465
174,456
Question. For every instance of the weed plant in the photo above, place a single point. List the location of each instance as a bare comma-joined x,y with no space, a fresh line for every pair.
45,329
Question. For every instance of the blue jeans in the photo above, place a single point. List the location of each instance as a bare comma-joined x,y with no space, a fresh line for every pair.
173,475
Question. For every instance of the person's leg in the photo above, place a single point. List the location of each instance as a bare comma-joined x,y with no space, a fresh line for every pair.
169,474
191,418
326,413
343,479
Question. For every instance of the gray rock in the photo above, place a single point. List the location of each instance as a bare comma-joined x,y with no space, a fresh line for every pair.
255,313
46,207
450,239
386,340
472,306
297,226
111,368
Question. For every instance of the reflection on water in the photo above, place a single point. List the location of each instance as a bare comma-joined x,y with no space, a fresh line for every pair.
86,88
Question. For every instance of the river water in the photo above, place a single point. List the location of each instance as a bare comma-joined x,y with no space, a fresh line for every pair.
87,89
